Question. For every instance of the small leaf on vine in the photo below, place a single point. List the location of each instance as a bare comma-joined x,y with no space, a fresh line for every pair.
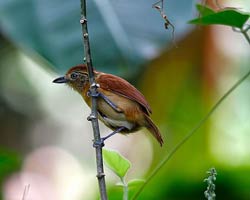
116,162
229,17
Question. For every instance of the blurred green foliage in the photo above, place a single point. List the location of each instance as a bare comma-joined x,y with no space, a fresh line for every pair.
9,162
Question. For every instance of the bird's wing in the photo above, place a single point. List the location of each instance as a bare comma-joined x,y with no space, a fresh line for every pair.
123,88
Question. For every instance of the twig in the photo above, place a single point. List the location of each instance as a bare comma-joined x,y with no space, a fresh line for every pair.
26,191
93,90
167,23
244,31
197,127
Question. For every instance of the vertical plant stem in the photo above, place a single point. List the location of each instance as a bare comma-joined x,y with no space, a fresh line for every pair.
125,189
93,116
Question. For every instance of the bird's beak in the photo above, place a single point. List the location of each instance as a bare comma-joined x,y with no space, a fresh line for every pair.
60,80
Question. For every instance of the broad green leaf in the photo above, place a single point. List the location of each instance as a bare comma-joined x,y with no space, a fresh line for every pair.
116,162
229,17
135,182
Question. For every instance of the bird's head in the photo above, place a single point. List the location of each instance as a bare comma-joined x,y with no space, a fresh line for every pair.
76,77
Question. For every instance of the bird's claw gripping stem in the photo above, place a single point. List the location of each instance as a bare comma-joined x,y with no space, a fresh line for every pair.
100,143
91,117
106,99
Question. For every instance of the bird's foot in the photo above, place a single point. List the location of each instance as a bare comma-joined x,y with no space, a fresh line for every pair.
91,117
106,99
98,143
113,133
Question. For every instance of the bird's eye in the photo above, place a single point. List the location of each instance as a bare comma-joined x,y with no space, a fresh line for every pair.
74,76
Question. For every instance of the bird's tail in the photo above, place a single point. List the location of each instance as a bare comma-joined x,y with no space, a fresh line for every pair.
153,129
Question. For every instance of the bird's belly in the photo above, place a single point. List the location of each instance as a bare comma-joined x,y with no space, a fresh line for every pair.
127,115
114,123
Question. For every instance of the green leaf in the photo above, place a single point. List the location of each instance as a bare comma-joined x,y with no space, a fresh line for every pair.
135,182
204,10
229,17
116,162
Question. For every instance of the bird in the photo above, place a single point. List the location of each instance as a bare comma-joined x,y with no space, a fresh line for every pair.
120,106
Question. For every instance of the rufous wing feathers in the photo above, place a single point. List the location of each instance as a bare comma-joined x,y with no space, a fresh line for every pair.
122,87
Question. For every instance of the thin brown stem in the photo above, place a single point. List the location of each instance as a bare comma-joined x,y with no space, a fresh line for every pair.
93,90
